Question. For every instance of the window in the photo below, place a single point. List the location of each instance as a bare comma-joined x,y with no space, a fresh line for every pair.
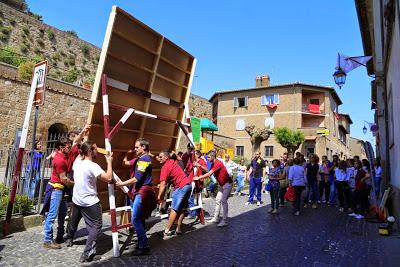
240,151
314,101
240,124
239,102
269,151
270,100
269,123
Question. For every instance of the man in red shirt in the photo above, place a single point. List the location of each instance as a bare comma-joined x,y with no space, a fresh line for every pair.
171,172
58,205
225,187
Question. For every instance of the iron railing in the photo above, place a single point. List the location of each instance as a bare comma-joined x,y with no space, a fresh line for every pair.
35,172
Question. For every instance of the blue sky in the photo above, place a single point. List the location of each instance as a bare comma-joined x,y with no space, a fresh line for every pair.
236,40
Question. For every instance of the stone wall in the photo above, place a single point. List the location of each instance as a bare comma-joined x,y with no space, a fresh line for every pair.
32,38
200,107
65,104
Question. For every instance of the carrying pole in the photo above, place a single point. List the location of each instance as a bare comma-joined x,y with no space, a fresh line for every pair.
107,144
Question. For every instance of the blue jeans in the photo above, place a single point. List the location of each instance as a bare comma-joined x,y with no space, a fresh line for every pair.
274,193
332,193
58,207
180,198
313,194
138,223
240,183
211,185
31,183
255,184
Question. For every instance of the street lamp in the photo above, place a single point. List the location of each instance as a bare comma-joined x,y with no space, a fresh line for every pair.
340,77
346,64
365,129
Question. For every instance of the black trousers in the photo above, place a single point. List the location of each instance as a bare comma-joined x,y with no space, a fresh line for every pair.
324,188
282,192
343,193
297,194
93,220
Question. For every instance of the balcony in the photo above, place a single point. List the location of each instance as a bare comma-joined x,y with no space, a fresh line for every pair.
312,109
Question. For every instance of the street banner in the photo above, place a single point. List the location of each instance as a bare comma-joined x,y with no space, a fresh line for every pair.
196,129
40,70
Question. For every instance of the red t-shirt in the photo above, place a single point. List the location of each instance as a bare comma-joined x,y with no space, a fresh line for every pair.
60,165
360,175
172,172
73,154
221,174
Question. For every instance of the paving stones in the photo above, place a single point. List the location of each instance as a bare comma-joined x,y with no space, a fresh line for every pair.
318,237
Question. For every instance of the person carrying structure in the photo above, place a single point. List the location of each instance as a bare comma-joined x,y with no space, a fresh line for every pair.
86,203
144,198
173,173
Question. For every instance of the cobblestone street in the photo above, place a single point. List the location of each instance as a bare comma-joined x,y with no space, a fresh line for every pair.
321,237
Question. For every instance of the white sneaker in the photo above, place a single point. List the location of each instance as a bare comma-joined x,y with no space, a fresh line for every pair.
223,223
247,203
352,214
213,220
359,216
258,203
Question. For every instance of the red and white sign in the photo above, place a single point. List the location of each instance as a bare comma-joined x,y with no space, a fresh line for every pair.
40,72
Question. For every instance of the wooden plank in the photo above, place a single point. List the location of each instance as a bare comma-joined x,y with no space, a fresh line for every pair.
136,55
103,55
153,77
176,55
175,66
182,113
172,81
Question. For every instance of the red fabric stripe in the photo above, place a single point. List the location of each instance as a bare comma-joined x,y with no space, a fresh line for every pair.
115,130
114,225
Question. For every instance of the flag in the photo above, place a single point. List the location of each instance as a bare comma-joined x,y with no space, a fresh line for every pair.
348,64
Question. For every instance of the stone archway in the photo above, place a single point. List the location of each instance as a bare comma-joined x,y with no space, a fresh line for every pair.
54,132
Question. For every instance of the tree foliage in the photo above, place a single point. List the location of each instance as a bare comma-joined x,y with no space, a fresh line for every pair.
289,139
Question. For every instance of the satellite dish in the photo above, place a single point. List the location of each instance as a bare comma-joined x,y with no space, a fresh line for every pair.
269,123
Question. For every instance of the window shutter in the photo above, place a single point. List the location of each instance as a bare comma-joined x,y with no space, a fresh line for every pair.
276,99
246,101
235,102
263,100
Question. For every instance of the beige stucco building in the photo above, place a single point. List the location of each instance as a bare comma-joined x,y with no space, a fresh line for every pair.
313,109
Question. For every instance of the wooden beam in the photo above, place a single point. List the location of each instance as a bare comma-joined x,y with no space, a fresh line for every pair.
174,65
153,78
187,95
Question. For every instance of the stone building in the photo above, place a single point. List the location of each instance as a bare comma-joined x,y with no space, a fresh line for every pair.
379,22
356,147
311,109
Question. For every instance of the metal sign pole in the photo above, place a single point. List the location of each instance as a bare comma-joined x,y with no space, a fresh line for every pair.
38,80
18,163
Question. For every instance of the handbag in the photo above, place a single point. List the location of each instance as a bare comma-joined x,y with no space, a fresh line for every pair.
289,196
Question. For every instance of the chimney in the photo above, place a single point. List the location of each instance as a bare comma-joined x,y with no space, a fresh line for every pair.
262,81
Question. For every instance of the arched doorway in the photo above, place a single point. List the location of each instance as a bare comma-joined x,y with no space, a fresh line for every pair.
54,132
